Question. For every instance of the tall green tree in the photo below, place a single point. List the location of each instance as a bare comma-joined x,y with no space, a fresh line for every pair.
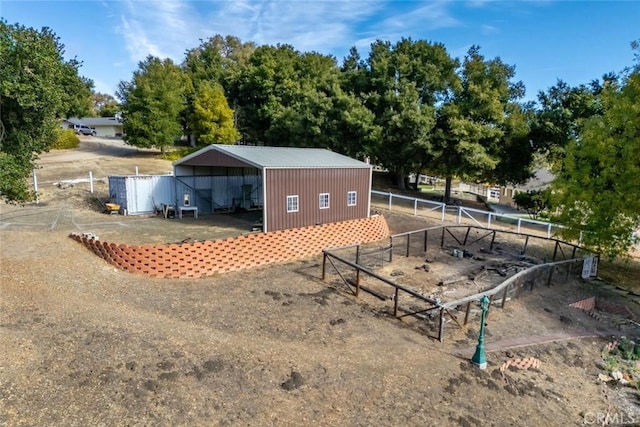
218,60
212,118
152,103
597,189
473,125
36,88
78,90
104,105
401,85
560,113
288,98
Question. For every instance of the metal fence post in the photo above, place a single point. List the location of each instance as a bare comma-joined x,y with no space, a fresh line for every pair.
35,186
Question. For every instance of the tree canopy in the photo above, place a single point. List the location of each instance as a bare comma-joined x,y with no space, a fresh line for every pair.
152,103
598,185
212,117
37,88
409,106
480,126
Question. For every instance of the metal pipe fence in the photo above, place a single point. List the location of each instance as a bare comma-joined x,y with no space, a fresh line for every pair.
565,256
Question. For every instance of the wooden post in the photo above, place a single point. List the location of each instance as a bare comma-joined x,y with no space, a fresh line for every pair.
442,240
466,313
358,254
550,276
395,303
555,250
466,236
426,237
504,296
493,238
408,243
357,282
526,243
324,264
441,329
390,248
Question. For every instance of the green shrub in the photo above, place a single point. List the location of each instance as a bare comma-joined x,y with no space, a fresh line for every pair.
65,139
178,153
627,349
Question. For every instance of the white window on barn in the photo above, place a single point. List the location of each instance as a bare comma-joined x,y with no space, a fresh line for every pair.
324,200
292,203
352,198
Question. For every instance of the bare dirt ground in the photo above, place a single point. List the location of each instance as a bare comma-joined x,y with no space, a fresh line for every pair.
84,344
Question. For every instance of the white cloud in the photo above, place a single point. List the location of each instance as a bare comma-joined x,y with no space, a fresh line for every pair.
430,16
103,87
166,28
489,29
136,41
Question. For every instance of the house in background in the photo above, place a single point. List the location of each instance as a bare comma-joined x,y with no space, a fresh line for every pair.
104,126
541,179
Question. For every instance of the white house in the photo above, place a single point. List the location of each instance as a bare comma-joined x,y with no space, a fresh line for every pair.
104,126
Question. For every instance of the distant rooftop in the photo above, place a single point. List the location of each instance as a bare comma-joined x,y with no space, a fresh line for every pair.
95,121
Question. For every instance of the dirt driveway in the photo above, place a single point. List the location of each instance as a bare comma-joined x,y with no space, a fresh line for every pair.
83,344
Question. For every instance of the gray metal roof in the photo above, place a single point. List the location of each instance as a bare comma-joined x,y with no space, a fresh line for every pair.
540,180
282,157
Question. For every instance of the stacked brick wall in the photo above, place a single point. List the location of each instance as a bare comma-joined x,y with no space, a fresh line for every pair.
195,260
590,304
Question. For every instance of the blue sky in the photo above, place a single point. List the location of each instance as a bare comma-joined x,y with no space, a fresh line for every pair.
576,41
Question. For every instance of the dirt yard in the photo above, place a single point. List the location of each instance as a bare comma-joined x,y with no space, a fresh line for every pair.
84,344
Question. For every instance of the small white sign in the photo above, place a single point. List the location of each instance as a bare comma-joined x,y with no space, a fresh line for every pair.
594,266
586,267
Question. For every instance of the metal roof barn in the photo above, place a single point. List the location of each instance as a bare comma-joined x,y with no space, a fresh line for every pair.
295,187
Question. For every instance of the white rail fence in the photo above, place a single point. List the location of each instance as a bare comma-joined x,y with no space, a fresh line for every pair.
90,179
459,214
419,207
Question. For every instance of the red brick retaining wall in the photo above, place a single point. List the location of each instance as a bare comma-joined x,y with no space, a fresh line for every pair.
206,258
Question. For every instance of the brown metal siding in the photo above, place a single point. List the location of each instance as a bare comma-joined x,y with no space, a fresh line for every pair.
307,184
214,158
